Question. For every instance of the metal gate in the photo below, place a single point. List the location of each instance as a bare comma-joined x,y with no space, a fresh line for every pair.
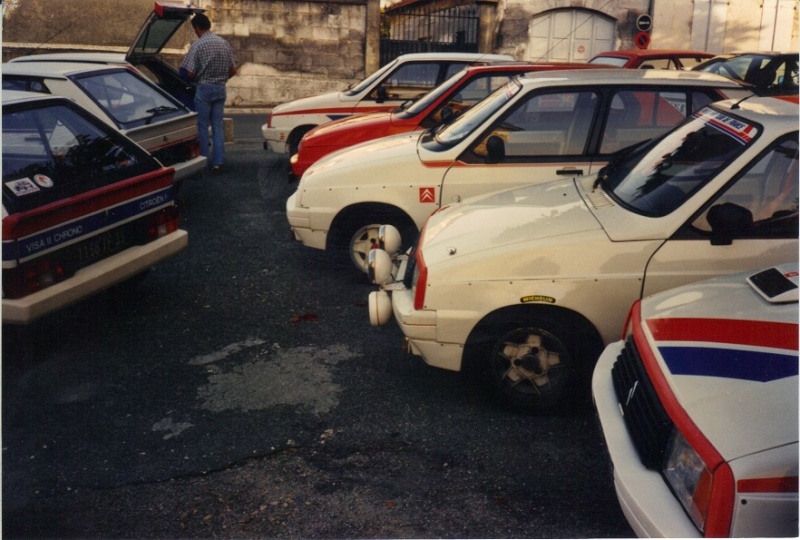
433,27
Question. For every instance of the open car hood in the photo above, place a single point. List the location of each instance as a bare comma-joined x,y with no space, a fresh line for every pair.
158,28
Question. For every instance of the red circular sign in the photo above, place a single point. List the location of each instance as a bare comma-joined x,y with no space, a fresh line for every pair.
641,40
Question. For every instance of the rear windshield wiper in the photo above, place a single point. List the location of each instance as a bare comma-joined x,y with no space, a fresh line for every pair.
158,111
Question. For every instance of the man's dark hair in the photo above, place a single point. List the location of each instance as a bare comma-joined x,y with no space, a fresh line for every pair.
201,21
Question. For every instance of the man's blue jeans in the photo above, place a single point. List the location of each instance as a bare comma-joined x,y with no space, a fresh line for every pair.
209,101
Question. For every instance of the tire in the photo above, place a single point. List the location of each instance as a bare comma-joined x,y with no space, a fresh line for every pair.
356,233
293,142
533,365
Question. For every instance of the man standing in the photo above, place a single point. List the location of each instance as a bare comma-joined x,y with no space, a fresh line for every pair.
210,64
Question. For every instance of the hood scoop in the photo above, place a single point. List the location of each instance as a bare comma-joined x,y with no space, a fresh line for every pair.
598,199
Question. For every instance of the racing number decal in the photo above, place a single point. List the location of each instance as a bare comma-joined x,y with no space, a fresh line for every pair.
427,194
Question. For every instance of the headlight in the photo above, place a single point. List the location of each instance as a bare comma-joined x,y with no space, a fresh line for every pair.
689,478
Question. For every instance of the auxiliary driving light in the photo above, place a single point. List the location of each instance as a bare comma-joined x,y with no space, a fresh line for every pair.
379,267
389,239
380,308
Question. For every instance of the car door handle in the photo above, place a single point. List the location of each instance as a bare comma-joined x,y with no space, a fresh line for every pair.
570,172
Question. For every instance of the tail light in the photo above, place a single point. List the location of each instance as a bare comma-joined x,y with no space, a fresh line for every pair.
33,276
162,223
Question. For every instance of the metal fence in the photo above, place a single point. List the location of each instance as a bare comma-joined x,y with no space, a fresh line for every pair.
429,28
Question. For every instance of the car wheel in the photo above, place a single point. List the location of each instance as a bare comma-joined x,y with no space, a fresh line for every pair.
352,239
531,365
364,240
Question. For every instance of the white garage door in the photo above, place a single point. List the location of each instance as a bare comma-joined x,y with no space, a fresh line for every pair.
569,35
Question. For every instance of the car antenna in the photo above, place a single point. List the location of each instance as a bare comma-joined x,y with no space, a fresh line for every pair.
738,103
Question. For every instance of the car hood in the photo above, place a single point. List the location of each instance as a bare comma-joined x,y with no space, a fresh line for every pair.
730,359
357,127
158,29
349,163
504,218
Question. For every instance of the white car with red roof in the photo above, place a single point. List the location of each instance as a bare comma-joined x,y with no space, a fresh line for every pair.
538,127
699,408
528,285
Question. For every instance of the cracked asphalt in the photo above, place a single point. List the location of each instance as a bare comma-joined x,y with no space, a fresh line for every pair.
240,392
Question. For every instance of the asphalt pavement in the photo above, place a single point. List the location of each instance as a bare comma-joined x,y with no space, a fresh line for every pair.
239,391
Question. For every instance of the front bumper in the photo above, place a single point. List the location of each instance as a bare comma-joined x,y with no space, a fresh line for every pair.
94,278
299,219
274,139
645,498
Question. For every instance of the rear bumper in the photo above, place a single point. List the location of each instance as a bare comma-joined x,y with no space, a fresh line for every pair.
189,168
93,279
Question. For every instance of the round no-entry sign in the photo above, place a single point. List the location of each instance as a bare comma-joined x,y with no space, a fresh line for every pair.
644,23
641,40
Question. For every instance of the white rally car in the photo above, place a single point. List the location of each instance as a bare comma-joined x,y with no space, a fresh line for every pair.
698,405
529,284
405,78
539,127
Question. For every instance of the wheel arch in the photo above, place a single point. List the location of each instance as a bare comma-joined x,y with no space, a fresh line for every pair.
588,345
297,133
349,215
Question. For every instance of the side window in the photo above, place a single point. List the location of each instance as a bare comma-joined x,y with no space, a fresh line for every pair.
543,125
688,62
454,68
25,84
639,115
658,63
768,194
409,81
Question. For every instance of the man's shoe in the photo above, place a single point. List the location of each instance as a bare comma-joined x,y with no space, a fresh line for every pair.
216,169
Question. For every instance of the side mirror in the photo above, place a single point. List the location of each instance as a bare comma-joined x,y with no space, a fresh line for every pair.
382,94
728,221
447,115
495,149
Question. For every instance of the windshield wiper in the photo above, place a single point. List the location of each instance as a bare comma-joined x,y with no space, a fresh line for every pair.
158,111
616,158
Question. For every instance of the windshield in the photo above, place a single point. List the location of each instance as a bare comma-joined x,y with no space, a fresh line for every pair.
358,88
422,103
451,134
656,179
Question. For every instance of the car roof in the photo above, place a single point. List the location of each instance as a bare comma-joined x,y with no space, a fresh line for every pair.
75,57
649,53
454,57
773,112
628,76
19,96
53,69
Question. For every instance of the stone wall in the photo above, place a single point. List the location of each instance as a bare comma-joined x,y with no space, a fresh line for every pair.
285,49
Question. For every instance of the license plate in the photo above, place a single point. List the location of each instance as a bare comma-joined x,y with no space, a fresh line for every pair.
101,246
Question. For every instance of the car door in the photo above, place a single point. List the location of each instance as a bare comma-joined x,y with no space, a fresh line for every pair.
752,223
565,132
543,136
410,81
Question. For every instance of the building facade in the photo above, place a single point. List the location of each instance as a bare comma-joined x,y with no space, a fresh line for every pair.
292,48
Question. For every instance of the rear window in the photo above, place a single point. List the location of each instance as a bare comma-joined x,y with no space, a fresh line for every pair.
128,98
52,151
